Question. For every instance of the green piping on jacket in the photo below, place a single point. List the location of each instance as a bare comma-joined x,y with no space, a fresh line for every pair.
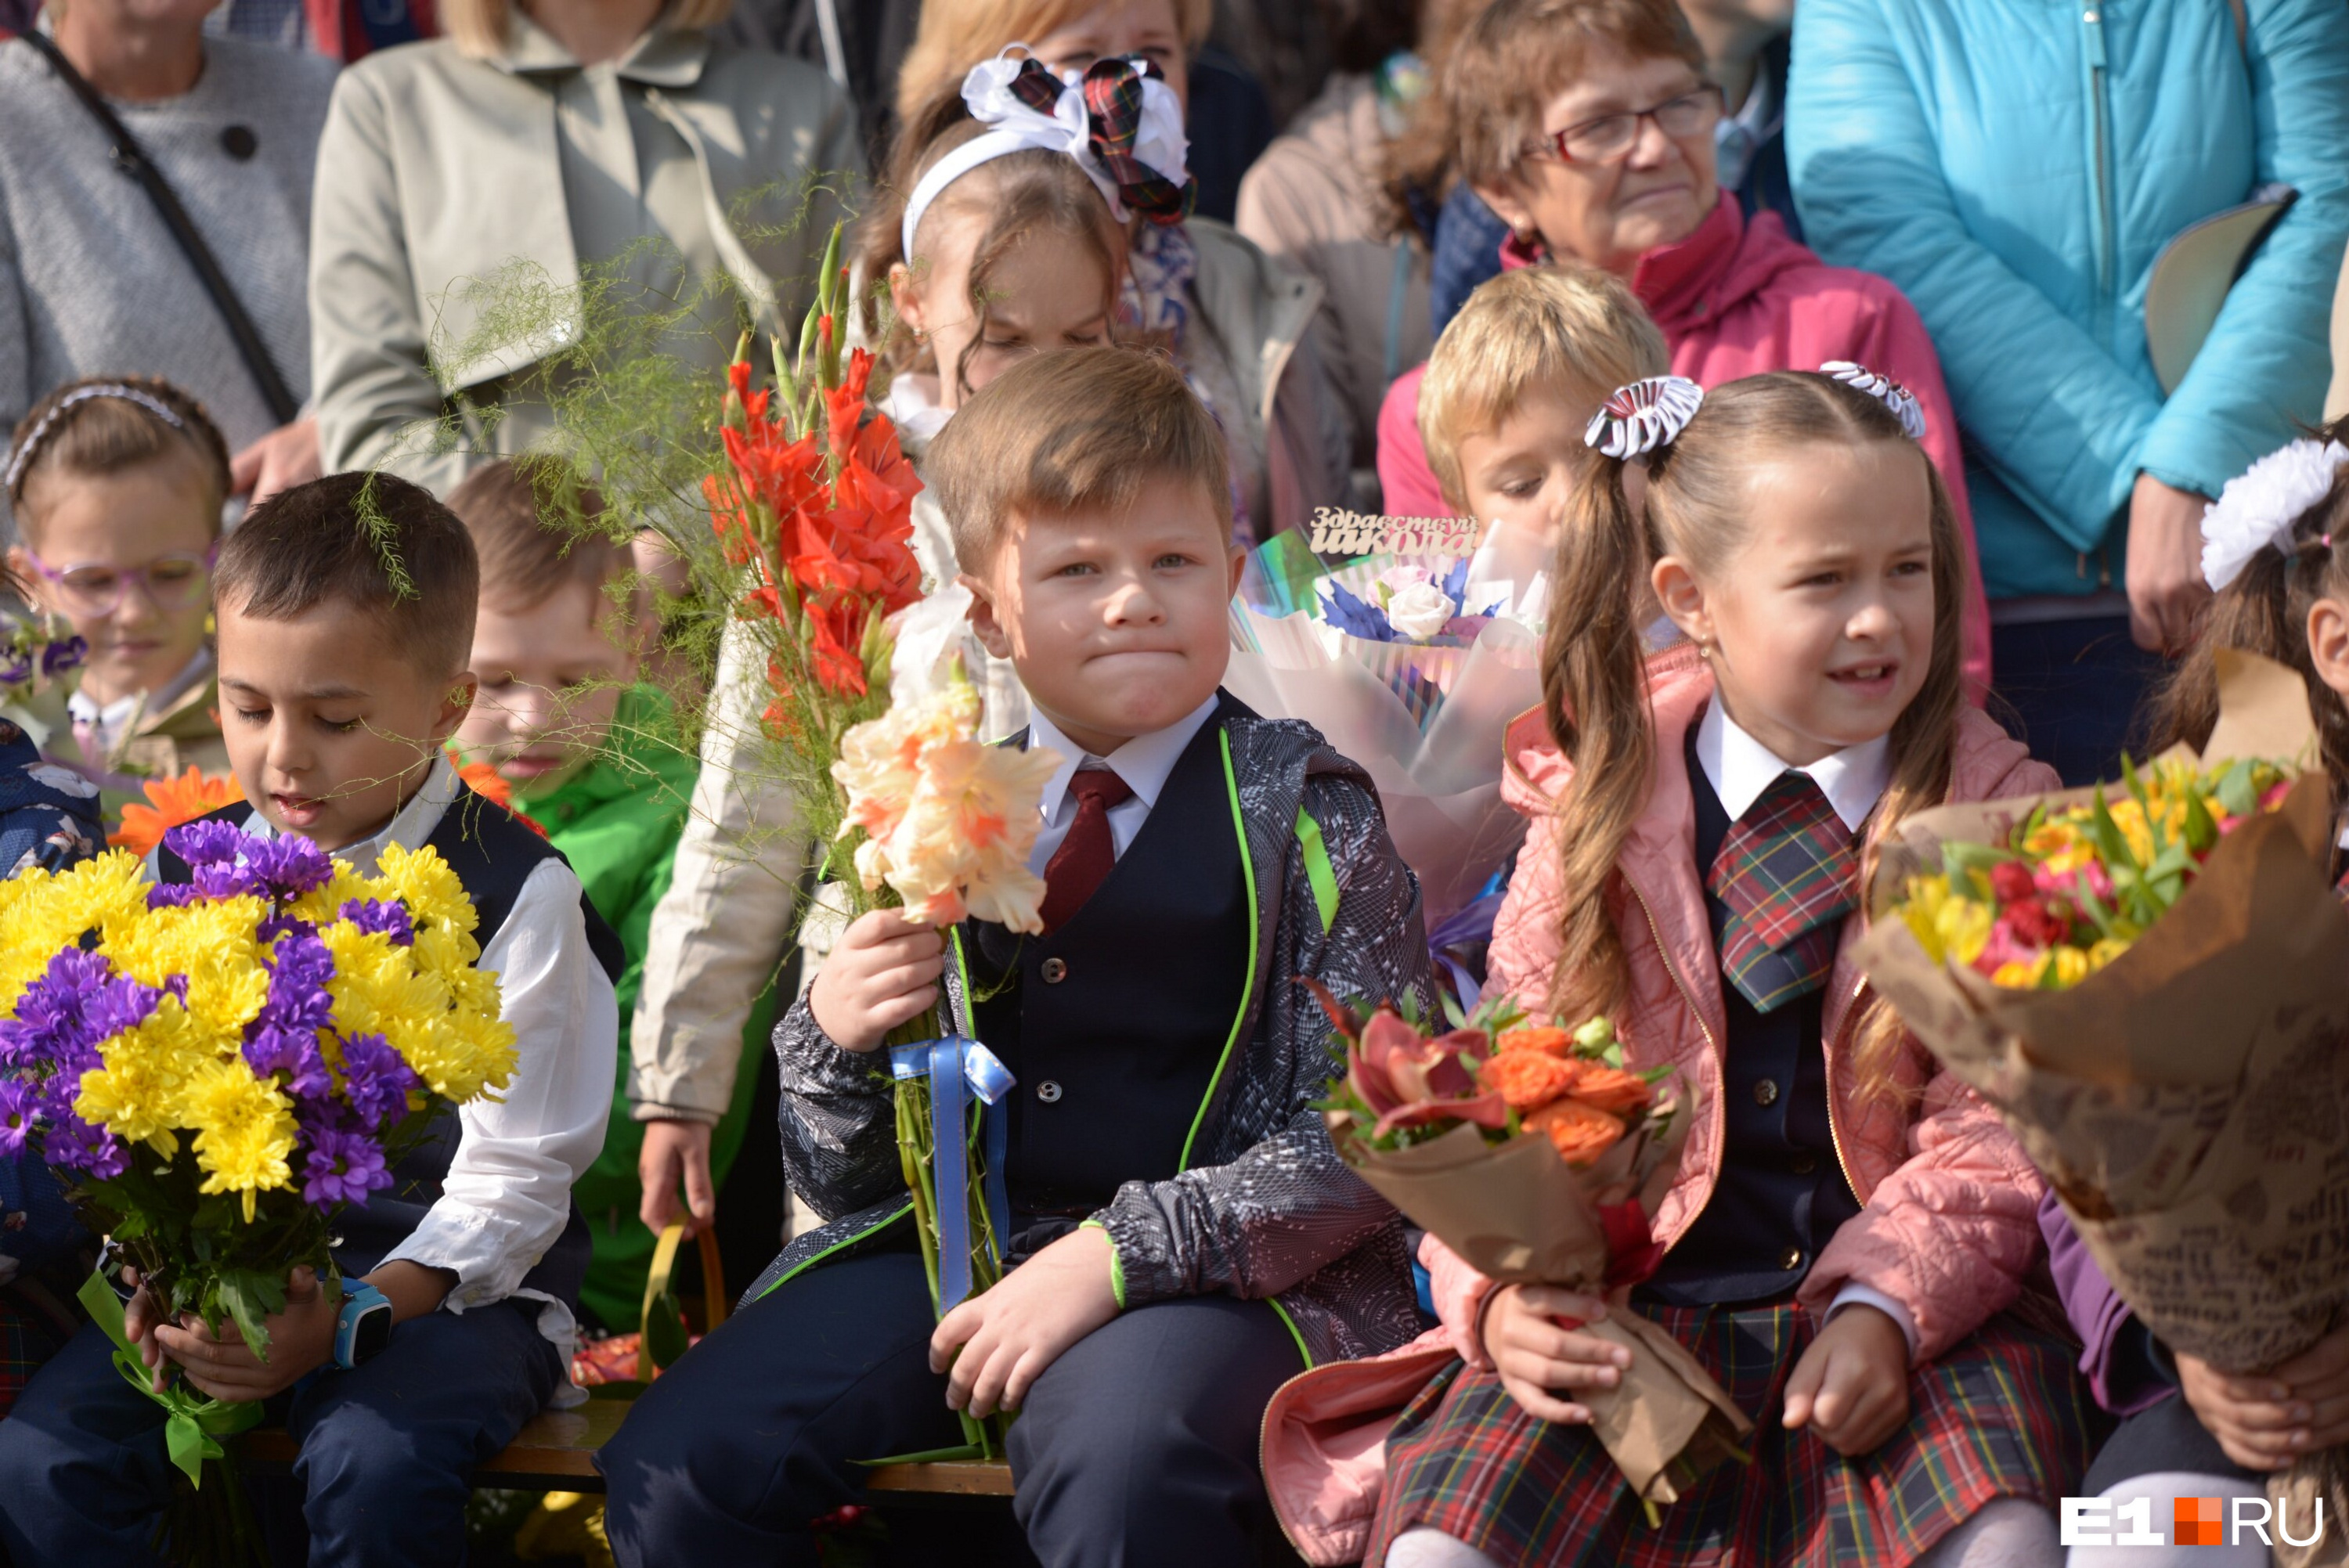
1247,986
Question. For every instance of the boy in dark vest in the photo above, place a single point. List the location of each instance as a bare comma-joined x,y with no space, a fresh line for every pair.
1185,1237
340,684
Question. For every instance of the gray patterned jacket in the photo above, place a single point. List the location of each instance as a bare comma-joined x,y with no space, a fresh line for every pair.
1268,1210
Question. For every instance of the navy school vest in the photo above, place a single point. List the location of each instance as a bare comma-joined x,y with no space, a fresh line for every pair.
1114,1024
1781,1195
493,855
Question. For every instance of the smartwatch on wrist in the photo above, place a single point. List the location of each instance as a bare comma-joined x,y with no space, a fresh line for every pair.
364,1328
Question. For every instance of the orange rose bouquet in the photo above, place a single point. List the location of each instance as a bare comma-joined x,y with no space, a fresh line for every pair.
1535,1154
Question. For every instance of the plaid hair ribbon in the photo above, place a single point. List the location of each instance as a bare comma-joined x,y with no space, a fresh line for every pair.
1113,106
1789,873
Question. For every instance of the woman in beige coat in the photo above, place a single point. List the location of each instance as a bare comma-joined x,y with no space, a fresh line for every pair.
469,187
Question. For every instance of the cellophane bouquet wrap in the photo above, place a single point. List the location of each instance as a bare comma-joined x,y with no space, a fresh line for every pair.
883,763
1411,666
219,1067
1533,1154
2150,983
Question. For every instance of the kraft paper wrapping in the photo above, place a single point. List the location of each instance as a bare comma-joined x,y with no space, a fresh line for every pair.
1517,1214
2191,1101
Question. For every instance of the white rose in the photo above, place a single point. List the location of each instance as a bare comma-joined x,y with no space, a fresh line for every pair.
1420,610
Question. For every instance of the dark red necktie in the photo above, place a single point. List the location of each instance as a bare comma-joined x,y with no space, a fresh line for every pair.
1083,859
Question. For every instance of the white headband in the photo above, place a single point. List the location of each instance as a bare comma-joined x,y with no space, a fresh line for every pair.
1017,126
2257,508
23,458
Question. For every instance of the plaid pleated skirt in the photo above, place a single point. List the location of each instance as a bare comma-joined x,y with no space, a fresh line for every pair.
2004,1414
27,1337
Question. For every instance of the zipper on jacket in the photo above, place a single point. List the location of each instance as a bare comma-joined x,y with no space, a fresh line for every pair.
1689,997
1835,1128
2092,23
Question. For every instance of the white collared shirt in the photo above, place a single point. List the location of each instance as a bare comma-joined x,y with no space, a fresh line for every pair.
1853,779
1740,768
1145,762
112,719
508,1193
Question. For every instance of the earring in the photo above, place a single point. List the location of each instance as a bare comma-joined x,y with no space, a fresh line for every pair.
1704,651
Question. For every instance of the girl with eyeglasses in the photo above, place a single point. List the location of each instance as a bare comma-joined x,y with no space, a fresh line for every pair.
116,483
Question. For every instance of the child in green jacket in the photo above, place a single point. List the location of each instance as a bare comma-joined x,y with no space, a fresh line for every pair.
593,761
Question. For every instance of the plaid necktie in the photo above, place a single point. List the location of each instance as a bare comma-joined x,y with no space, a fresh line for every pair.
1789,873
1083,862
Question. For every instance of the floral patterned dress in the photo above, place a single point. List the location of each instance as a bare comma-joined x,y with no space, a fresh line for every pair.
48,819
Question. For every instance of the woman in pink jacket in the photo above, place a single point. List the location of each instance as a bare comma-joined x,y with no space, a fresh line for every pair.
1588,125
1849,1222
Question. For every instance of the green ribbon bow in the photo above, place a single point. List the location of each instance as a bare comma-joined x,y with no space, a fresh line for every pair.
197,1423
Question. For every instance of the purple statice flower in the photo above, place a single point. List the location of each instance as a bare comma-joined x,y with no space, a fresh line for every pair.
74,1144
277,925
61,656
19,1107
342,1167
289,866
284,1037
377,1080
172,895
387,917
52,1023
227,861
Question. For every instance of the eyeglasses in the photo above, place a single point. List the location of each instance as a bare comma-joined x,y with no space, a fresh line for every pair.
1610,138
172,581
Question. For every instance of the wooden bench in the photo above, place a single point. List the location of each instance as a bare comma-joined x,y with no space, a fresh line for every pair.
555,1451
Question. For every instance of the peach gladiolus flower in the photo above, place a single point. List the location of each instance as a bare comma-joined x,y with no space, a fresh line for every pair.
949,823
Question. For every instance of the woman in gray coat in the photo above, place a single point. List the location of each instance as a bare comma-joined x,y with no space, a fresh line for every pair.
482,195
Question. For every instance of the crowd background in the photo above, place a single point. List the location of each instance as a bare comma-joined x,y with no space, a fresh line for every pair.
1981,198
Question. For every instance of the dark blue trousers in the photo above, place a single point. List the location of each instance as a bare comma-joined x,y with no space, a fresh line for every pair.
1137,1448
385,1453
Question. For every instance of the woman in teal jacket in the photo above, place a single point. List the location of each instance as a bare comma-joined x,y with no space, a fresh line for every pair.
2016,166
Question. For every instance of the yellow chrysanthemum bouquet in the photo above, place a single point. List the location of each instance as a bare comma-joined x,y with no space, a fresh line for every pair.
219,1067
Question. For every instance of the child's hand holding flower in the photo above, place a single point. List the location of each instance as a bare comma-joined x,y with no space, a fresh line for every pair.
883,971
994,1345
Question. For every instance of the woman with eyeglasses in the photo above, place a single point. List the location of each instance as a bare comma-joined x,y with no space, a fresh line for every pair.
1588,126
116,483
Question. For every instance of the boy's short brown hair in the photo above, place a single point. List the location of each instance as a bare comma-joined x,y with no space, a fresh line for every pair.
526,556
371,540
1074,430
1565,329
1519,53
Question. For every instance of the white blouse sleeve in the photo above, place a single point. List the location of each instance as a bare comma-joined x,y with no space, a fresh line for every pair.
508,1193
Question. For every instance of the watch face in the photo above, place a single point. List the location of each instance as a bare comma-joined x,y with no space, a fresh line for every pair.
371,1335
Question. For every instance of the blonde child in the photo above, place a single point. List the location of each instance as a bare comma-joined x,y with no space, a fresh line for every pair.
1182,1234
1514,381
2276,553
1848,1224
117,483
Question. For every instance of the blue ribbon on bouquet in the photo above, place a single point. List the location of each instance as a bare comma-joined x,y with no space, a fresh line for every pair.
1464,926
953,1066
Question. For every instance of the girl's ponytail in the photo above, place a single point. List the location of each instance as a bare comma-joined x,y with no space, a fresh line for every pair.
1595,698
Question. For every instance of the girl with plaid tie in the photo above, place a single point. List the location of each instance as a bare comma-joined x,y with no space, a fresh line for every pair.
1848,1224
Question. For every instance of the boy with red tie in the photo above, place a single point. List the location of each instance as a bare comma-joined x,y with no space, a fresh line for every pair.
1184,1236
